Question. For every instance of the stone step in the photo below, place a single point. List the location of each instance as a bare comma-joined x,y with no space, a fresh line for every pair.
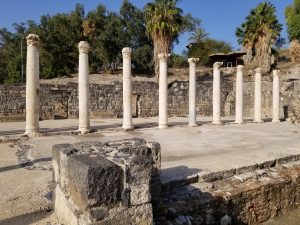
251,197
240,172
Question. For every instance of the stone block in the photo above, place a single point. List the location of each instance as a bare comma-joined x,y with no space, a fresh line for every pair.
138,171
106,182
94,180
60,156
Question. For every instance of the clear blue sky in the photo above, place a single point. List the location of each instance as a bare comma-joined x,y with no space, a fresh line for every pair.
219,17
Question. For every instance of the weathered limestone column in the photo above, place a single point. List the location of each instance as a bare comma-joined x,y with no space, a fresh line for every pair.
192,92
257,97
217,93
83,88
239,95
163,90
276,96
32,86
127,89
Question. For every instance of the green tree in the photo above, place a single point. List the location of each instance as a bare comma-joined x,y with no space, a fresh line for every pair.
199,35
93,26
203,49
164,23
292,15
10,50
136,36
258,34
60,35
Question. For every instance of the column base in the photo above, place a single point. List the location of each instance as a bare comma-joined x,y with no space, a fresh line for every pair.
128,127
275,121
31,133
217,123
163,126
84,130
239,122
258,121
193,125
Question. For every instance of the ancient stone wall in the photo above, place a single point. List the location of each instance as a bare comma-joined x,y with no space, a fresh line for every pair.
119,182
248,198
61,101
101,183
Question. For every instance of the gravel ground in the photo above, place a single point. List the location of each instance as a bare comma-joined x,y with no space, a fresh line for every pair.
24,193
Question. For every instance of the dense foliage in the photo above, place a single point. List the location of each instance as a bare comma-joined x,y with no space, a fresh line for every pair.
258,35
107,32
292,15
202,46
209,46
164,23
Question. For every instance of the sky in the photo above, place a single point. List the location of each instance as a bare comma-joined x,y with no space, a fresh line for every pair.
220,18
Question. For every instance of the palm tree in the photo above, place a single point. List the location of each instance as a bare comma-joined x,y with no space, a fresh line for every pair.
258,34
163,23
199,36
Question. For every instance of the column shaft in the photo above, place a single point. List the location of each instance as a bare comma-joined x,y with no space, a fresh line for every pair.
217,93
32,86
257,97
163,90
192,92
83,88
239,95
276,96
127,89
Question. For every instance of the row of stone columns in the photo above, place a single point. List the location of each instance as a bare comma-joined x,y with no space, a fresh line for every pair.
32,90
239,95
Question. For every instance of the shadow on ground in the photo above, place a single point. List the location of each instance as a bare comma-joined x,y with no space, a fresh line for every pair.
25,219
25,164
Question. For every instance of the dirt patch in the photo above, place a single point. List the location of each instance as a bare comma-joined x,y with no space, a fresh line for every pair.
25,194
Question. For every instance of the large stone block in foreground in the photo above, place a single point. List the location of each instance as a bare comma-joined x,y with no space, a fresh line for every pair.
101,183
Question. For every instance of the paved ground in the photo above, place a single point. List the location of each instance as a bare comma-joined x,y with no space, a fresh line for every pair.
185,150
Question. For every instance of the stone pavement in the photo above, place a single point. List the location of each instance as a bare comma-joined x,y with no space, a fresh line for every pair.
185,151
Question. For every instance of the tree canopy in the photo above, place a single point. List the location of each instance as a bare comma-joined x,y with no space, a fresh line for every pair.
164,23
206,47
107,32
292,15
258,35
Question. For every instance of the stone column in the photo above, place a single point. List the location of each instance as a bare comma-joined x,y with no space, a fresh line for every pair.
192,92
239,95
32,86
163,90
217,93
127,89
276,96
257,97
83,88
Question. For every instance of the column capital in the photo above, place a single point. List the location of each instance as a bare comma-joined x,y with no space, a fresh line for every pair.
258,70
84,47
240,67
163,56
126,52
217,65
276,73
33,40
193,60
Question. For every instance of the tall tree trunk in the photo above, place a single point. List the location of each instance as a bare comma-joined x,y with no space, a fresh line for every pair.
264,57
156,61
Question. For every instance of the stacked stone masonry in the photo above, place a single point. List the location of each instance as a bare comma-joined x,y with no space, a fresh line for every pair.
61,101
249,198
107,183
